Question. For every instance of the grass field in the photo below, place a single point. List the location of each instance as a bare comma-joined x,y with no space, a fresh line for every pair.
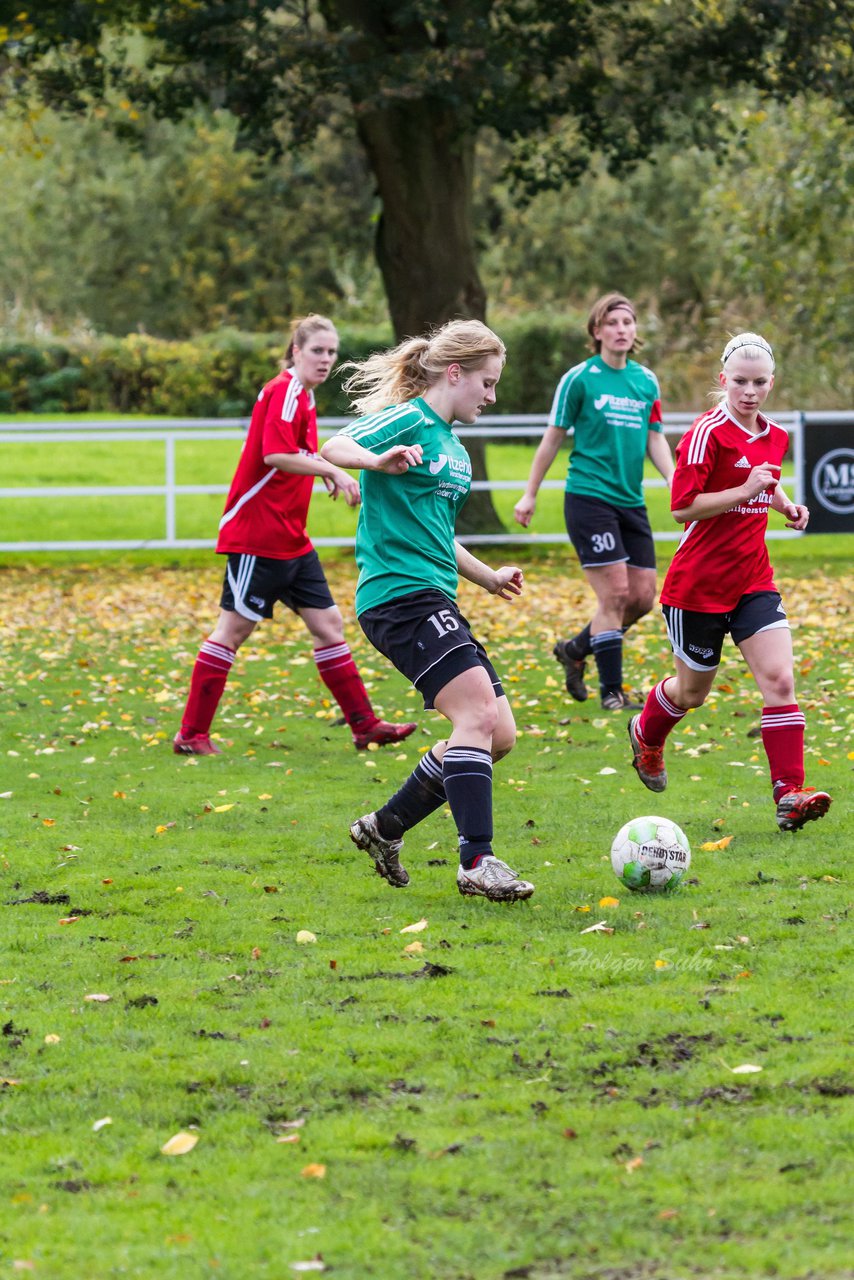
501,1094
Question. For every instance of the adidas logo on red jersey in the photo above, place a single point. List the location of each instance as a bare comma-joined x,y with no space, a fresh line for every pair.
742,462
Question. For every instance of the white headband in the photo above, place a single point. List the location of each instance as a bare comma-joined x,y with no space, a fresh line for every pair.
745,340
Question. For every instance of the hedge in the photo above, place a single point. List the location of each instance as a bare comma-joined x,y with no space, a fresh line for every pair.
219,375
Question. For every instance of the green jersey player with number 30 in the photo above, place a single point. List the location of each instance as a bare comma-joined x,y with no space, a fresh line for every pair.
612,406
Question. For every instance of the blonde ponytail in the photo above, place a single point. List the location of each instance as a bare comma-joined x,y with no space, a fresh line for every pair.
409,369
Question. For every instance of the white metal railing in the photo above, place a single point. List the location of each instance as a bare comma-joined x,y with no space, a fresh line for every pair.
171,431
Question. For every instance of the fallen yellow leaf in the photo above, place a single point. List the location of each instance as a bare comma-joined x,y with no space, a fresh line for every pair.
222,808
414,948
305,935
609,902
418,927
98,997
710,845
313,1171
179,1144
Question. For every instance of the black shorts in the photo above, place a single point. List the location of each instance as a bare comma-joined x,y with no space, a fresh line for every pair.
603,534
253,584
426,637
698,638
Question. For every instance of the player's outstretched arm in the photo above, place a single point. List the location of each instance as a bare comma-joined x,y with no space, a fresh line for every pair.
343,451
505,582
660,454
312,464
705,505
797,516
553,438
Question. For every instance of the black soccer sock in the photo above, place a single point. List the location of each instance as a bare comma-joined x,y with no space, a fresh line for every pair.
467,775
579,646
421,794
608,651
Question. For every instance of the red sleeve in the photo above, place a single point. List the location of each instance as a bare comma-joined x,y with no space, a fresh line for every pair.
282,414
655,413
690,479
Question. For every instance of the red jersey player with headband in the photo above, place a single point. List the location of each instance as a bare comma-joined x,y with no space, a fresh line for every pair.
720,581
270,556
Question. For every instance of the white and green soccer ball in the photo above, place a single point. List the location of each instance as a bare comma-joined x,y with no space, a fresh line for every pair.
650,855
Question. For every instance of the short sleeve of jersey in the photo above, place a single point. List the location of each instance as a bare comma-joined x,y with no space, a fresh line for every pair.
380,431
567,398
656,421
695,461
282,411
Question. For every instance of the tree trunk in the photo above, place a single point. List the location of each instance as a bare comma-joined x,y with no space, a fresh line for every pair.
423,164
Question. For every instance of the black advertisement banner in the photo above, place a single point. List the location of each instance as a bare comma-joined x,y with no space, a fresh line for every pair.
828,472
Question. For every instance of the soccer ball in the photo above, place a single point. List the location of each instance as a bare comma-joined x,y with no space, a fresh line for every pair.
650,854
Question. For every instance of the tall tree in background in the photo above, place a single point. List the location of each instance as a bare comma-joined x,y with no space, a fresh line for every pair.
419,78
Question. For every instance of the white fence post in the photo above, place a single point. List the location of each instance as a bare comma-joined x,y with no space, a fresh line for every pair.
170,490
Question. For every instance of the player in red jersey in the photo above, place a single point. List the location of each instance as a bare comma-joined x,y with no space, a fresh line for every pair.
270,556
726,481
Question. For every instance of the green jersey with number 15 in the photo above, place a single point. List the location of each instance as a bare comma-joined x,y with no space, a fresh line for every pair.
405,534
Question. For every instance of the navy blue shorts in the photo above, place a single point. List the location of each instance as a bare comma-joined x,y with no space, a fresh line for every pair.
426,637
603,534
253,584
698,638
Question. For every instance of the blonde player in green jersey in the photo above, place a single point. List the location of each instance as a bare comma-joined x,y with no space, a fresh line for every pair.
612,405
416,474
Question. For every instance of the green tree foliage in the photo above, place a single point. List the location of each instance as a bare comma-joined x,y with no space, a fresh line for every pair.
181,232
421,78
759,235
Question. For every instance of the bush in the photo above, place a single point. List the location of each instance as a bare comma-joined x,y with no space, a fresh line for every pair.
220,374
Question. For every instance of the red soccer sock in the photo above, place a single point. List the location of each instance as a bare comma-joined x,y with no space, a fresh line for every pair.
658,717
339,673
206,685
783,740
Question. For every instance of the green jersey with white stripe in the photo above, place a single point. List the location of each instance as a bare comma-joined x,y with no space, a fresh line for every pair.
611,412
405,534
